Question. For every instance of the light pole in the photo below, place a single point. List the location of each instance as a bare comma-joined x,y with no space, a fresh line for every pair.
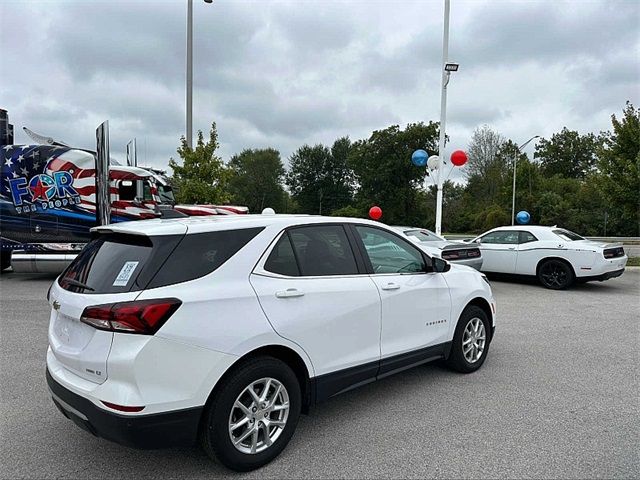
515,162
189,133
447,68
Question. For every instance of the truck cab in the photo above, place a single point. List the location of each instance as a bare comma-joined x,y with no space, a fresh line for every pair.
48,199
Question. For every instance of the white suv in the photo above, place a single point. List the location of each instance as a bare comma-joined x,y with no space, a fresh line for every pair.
224,329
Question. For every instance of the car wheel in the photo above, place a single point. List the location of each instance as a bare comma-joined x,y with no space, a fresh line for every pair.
555,274
470,340
5,260
252,415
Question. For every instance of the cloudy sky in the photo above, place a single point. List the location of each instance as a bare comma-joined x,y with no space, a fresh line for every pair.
284,73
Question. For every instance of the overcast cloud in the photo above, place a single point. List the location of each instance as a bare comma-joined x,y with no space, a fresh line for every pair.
284,73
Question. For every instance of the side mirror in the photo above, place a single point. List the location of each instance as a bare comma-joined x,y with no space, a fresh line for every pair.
440,265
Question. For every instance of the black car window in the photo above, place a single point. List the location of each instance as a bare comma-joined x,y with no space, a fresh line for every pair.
526,237
127,190
323,250
109,264
506,236
199,254
282,259
115,263
567,235
390,254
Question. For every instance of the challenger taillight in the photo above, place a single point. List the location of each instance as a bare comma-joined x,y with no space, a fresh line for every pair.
453,254
142,317
613,252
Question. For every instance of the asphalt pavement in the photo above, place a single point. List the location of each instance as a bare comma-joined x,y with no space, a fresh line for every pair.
558,397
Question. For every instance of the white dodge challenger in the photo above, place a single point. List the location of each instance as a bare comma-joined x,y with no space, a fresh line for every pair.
557,257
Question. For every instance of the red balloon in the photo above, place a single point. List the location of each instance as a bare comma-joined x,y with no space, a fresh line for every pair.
375,212
459,158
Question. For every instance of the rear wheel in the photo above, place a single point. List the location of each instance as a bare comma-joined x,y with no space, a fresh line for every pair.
253,414
556,275
5,260
470,341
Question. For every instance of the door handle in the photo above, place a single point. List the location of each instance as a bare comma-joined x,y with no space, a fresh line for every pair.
289,293
390,286
512,248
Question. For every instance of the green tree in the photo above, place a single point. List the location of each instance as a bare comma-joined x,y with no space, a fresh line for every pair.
255,179
619,164
568,154
349,211
202,177
319,178
489,167
385,174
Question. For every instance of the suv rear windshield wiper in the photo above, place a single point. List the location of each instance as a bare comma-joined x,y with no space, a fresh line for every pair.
76,283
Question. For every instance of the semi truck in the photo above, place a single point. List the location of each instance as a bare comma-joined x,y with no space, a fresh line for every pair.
49,200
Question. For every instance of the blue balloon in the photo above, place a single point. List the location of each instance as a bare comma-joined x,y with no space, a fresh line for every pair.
523,217
419,158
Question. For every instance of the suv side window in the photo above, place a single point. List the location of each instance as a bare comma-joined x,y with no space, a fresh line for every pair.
282,260
390,254
508,236
526,237
199,254
323,250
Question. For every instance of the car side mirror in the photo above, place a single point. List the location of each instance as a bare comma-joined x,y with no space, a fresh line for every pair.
440,265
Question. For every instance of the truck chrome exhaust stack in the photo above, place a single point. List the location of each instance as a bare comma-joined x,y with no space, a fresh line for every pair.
41,262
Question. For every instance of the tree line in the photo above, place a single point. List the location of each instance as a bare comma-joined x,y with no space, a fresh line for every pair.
588,183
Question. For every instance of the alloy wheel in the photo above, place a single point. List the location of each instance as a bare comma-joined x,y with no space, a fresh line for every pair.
554,274
259,415
474,340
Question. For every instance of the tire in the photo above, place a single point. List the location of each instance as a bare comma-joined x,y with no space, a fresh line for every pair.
5,260
222,412
555,274
460,358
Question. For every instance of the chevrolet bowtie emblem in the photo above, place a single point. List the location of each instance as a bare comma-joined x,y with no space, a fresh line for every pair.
56,305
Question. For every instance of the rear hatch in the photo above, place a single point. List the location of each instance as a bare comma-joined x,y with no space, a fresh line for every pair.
113,267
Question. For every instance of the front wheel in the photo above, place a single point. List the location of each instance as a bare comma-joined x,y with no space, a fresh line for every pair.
253,414
555,274
470,341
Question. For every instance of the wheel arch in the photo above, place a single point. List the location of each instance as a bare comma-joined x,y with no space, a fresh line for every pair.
560,259
483,304
286,355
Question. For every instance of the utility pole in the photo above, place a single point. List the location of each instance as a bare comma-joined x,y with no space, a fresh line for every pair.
189,133
443,115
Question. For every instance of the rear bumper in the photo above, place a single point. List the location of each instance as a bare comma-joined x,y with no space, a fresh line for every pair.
603,276
158,430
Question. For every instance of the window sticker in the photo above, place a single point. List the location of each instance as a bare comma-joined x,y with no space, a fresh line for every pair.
125,274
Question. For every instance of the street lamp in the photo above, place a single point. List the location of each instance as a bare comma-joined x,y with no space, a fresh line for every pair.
446,73
515,161
189,133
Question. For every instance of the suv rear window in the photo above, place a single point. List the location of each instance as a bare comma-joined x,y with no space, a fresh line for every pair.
115,263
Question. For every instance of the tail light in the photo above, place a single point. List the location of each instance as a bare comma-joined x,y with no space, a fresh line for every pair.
613,252
453,254
142,317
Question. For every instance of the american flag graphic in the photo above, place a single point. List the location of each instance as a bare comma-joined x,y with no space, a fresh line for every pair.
30,160
21,161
